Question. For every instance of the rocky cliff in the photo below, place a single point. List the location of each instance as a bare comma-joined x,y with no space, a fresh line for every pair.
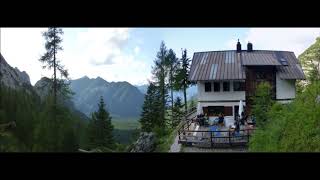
145,143
13,77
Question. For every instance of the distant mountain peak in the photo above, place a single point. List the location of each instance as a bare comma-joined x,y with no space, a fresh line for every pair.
122,99
12,77
85,77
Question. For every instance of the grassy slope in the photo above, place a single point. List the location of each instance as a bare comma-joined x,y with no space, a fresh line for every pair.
125,129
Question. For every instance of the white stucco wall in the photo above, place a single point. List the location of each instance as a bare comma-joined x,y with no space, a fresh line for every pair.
286,89
219,96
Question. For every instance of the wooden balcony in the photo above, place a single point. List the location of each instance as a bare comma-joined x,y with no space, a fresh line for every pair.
191,134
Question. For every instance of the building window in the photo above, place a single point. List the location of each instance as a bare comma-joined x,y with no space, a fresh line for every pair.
261,75
238,86
207,87
236,111
215,110
216,86
228,111
226,86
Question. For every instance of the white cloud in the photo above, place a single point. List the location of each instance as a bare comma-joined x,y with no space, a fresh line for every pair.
287,39
92,52
102,45
22,48
101,52
136,50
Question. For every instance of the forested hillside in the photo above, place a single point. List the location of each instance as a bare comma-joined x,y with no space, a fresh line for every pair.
34,129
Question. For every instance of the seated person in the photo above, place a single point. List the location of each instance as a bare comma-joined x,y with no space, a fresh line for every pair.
232,129
221,118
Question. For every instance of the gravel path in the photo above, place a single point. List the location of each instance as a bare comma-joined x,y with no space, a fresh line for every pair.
175,147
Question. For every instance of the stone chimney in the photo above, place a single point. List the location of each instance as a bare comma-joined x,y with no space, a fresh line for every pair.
238,46
249,47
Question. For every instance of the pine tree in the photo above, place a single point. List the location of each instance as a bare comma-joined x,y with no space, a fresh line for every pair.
177,112
100,129
181,78
150,116
52,45
160,71
172,61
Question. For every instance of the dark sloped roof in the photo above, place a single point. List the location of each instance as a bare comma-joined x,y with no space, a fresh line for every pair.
230,65
216,65
259,58
293,70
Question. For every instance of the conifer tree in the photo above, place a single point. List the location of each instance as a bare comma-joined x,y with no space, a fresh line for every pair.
160,71
150,116
181,78
100,129
172,61
52,46
177,112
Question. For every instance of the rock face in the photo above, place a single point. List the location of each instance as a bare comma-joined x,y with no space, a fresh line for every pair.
145,143
12,77
42,87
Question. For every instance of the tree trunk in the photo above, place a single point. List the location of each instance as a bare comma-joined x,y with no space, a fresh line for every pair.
54,76
163,95
171,77
54,68
185,97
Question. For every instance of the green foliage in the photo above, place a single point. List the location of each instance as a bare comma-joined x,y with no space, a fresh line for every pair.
100,129
36,130
169,73
177,112
125,130
262,103
164,139
160,72
291,128
52,46
151,115
181,77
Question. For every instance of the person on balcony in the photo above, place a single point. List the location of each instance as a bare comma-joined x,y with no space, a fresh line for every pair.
221,119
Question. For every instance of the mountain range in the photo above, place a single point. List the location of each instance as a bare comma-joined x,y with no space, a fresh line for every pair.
191,91
121,98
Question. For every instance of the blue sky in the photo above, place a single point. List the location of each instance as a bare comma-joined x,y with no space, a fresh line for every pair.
127,54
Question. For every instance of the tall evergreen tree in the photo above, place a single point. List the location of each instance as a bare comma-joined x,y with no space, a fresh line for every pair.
160,71
100,129
52,45
181,78
177,112
150,116
172,61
